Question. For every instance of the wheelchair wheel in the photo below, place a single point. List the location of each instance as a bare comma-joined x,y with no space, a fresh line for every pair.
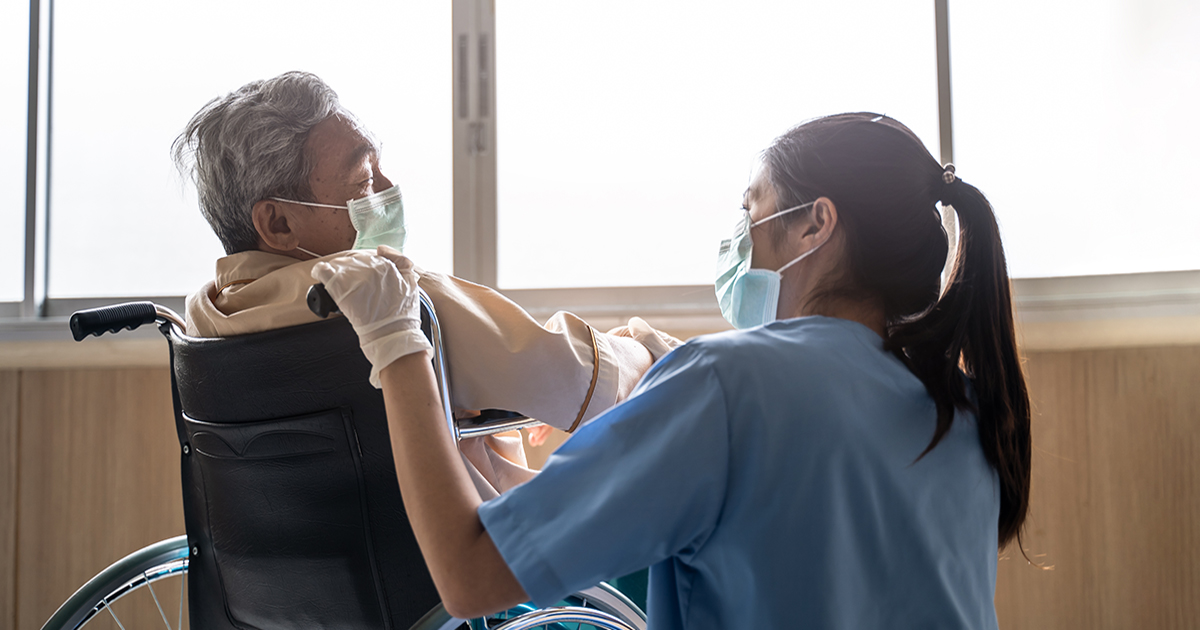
148,580
601,607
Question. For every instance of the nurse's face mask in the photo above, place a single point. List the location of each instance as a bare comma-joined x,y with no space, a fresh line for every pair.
378,219
750,297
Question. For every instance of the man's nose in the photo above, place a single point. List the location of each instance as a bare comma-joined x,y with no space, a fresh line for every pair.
381,181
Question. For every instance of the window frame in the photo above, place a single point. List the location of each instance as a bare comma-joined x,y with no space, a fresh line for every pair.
1132,301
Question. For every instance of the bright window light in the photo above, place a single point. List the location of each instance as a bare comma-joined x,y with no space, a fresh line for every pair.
628,130
1079,121
14,76
122,222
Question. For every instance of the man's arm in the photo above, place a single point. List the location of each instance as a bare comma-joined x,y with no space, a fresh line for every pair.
563,372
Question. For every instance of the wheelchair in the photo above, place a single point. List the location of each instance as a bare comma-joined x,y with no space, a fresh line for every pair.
291,506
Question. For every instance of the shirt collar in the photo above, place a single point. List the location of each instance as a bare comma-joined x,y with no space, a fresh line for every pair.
248,266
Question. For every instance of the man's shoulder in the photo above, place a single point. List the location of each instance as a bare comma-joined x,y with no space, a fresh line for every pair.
253,291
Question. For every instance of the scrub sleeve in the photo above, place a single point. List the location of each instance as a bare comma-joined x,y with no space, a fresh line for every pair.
642,483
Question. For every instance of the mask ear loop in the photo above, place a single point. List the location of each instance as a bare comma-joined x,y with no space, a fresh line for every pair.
313,204
805,254
780,213
309,203
801,257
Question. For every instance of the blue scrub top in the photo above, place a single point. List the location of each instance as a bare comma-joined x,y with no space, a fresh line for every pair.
769,479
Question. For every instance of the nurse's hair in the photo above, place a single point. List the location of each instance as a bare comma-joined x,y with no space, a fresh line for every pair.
885,185
249,145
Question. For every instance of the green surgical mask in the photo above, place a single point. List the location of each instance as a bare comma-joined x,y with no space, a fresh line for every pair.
378,219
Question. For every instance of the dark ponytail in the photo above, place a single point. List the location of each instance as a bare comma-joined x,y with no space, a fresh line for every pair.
972,326
885,185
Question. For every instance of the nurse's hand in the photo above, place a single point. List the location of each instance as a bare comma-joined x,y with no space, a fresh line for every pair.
657,342
377,292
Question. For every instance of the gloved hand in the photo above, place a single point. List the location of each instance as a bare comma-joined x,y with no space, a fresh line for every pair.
377,292
657,342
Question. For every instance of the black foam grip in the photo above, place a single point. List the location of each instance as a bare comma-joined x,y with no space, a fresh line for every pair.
97,321
320,302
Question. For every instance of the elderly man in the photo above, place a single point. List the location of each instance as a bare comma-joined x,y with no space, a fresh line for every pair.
279,166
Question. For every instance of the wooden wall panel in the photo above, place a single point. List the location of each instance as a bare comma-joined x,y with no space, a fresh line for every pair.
1116,504
99,478
1116,493
9,408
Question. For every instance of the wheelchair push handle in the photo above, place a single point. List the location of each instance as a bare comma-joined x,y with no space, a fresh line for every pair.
320,302
97,321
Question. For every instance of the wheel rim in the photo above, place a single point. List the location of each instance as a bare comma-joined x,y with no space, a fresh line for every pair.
135,573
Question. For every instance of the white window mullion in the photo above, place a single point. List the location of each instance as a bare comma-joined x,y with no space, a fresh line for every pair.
37,159
474,141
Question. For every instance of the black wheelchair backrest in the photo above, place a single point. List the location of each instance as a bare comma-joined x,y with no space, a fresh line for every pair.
291,503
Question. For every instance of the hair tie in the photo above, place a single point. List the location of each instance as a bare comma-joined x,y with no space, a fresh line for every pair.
948,178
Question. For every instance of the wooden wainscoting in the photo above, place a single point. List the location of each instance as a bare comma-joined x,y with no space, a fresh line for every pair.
1116,493
9,412
92,469
98,479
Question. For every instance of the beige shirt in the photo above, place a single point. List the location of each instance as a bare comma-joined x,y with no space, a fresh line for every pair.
498,357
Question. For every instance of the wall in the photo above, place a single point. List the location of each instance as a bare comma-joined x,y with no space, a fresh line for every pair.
90,472
95,467
9,414
1116,493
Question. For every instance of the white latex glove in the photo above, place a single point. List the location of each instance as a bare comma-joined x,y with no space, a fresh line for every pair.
657,342
378,293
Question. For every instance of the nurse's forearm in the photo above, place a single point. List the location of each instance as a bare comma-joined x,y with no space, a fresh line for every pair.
471,576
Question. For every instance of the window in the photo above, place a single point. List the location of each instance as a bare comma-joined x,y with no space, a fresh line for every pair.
1078,120
14,77
626,133
627,130
122,222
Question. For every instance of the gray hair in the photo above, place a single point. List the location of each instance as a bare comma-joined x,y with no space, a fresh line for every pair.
249,145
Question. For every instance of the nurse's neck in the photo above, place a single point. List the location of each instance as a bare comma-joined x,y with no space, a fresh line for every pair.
814,290
869,313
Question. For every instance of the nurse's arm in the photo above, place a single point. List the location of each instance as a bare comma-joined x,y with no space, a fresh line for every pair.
442,505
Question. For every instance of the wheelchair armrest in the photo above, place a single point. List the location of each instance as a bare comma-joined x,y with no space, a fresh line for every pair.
491,422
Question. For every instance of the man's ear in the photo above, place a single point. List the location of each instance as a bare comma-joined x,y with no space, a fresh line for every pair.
275,223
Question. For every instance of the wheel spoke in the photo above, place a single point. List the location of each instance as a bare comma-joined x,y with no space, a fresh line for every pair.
114,615
182,582
162,614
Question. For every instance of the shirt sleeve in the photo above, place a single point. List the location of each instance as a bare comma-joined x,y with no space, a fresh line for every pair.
499,357
642,483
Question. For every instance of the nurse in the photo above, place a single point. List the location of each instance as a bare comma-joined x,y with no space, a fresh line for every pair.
852,457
